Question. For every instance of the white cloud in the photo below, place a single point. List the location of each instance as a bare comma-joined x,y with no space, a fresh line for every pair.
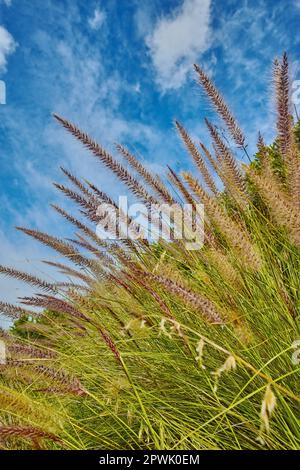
6,2
143,19
137,88
97,20
7,46
176,42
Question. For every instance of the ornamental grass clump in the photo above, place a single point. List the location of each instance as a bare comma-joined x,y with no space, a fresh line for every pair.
147,344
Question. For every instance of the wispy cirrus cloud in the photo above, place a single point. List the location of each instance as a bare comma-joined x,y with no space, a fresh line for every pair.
177,40
97,20
7,46
6,2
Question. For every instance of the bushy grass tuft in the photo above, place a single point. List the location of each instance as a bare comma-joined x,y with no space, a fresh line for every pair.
149,345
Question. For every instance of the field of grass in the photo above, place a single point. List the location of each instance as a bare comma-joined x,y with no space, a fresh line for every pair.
150,345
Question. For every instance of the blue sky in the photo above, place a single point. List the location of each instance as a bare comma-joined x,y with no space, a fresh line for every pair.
122,70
